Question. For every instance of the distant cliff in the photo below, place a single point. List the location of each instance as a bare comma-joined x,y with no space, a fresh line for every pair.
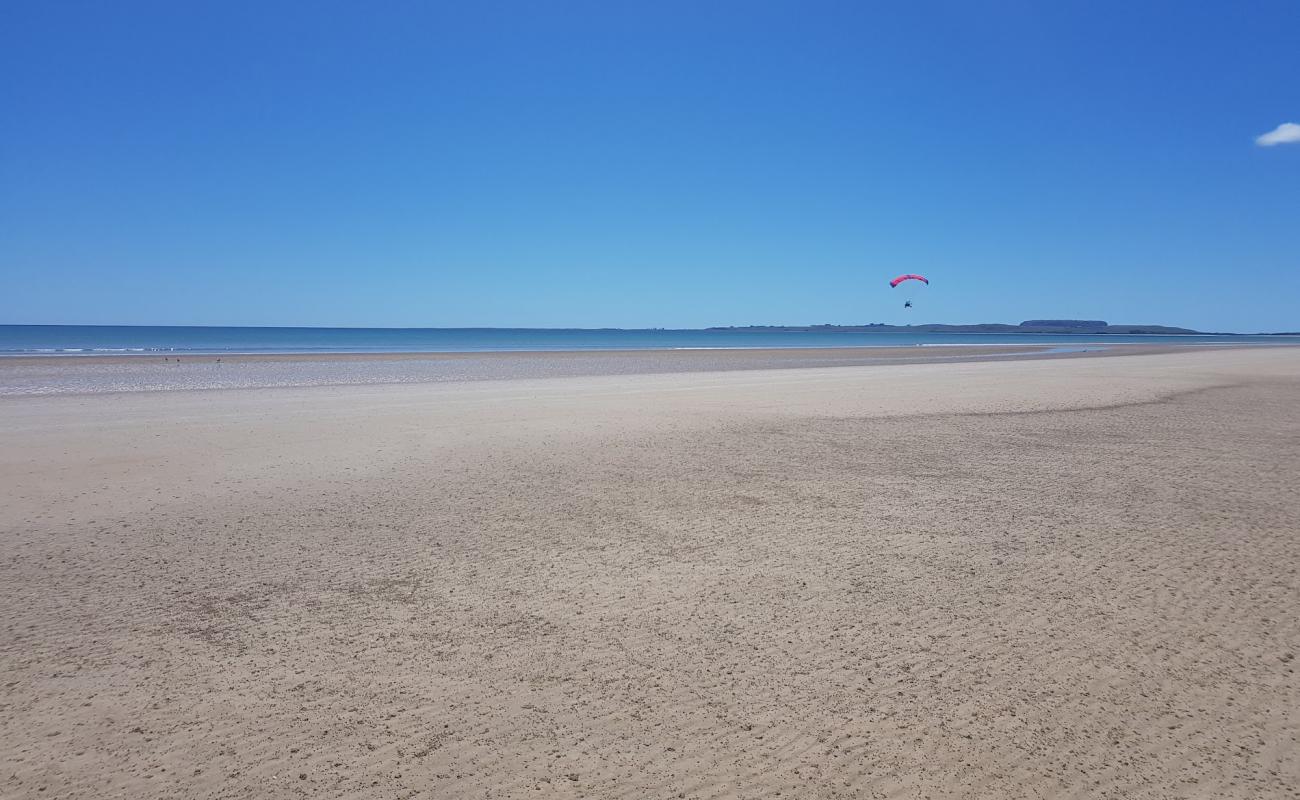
1087,326
1091,324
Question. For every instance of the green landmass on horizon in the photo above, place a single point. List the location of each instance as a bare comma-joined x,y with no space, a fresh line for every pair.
1028,326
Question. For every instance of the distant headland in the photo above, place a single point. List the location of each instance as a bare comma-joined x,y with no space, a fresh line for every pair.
1089,326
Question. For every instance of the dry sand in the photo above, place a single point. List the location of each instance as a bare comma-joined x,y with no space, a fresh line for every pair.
1068,578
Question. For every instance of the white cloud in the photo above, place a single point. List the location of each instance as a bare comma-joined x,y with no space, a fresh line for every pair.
1286,133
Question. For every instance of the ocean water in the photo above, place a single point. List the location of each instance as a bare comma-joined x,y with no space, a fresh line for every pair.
90,340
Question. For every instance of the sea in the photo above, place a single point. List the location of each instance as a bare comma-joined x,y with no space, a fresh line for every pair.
93,340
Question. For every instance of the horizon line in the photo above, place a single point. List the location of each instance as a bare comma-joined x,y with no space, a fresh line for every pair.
616,328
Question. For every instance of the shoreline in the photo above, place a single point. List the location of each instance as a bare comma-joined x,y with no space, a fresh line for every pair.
882,351
95,375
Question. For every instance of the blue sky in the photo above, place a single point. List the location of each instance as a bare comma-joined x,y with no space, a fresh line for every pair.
648,164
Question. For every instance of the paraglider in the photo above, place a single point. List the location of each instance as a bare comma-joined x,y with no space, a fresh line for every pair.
908,277
904,279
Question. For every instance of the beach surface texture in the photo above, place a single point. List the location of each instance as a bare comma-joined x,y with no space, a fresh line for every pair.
1074,577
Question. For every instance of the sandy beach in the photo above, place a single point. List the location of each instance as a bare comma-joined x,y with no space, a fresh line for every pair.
1005,578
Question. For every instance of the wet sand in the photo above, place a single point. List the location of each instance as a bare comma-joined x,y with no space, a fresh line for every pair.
742,355
1015,578
46,375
